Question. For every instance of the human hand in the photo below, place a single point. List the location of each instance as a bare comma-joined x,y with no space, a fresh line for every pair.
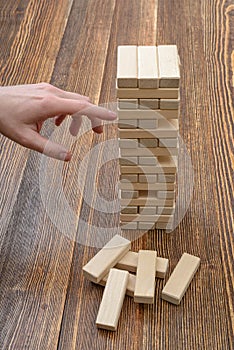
24,108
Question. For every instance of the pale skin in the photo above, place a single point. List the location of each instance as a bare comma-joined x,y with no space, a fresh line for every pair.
24,109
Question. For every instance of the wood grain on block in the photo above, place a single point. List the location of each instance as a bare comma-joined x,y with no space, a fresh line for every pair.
166,194
148,178
129,210
166,178
147,186
146,225
128,225
168,63
128,178
165,210
147,160
146,211
130,260
166,129
145,277
148,114
180,278
128,194
166,165
126,143
128,103
149,143
127,70
148,67
149,151
171,142
106,258
147,93
128,124
169,104
128,160
112,299
148,123
148,103
145,218
141,201
130,285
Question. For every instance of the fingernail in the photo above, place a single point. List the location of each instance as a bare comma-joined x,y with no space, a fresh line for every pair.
65,156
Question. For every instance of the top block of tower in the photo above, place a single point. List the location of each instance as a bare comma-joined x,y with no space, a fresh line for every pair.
127,70
168,64
148,67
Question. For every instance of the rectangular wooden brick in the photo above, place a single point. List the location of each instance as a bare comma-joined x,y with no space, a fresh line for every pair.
148,114
169,103
148,123
127,67
148,103
128,194
147,93
128,103
148,67
126,143
168,62
128,178
128,124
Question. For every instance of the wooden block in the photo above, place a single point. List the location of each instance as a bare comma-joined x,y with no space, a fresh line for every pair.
167,165
148,103
148,67
130,285
149,151
169,104
129,103
127,70
146,218
148,123
128,178
130,260
112,299
129,210
147,160
128,225
147,93
128,160
147,186
180,279
126,143
172,142
165,129
166,194
146,225
166,178
168,63
144,201
148,114
106,258
128,194
148,178
145,277
165,210
128,124
147,211
152,142
163,225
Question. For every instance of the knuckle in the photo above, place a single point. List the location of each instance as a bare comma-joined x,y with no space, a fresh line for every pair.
47,87
46,102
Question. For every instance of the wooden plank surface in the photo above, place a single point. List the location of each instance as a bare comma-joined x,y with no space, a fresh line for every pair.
44,300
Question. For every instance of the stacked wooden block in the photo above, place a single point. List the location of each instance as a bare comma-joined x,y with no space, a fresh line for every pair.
114,267
148,108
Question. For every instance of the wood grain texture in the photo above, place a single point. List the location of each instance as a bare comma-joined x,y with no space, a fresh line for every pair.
44,300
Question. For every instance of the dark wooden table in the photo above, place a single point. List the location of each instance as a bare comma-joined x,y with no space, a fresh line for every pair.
45,303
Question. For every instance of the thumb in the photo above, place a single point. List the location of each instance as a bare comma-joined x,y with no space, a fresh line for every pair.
51,149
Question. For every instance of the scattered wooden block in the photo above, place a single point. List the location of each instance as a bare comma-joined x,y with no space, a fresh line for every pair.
130,285
148,123
128,178
172,142
127,70
168,63
128,160
146,211
128,194
112,300
145,277
106,258
148,67
126,143
129,103
147,160
148,178
169,104
180,279
152,142
148,103
128,124
129,210
148,114
147,93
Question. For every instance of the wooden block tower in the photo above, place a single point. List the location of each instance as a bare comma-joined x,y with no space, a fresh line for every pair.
148,108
